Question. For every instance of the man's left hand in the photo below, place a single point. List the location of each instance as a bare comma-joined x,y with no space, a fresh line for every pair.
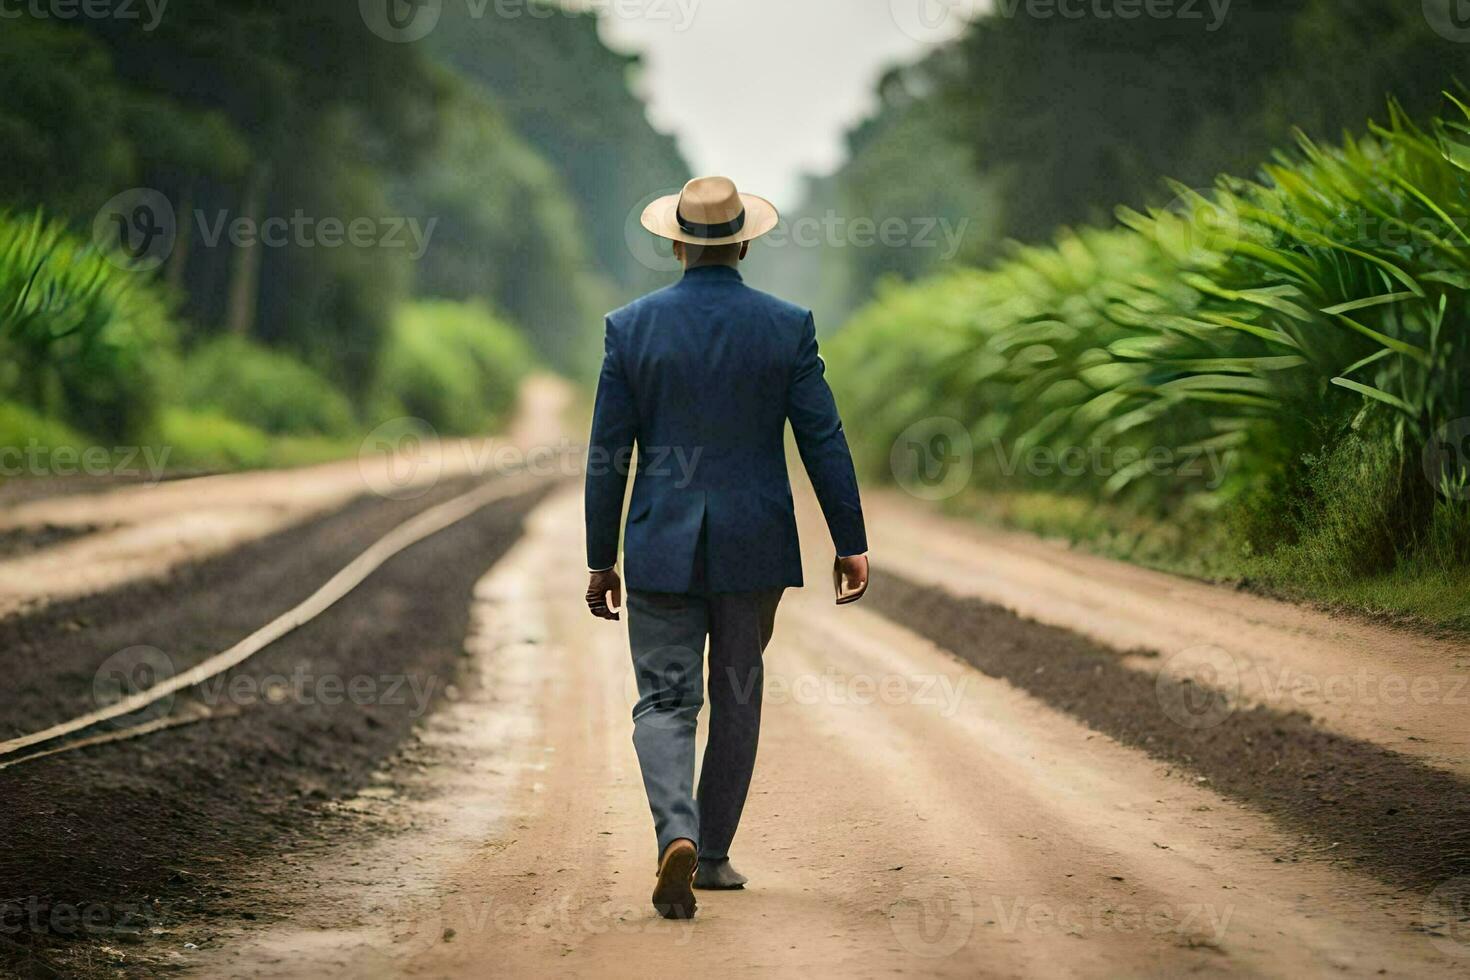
598,589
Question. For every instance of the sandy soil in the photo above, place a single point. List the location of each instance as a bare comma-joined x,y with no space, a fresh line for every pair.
910,815
1400,689
144,530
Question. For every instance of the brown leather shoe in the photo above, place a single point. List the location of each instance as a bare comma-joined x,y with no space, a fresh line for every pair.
673,896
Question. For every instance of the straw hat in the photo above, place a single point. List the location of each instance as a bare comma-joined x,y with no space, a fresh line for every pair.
710,211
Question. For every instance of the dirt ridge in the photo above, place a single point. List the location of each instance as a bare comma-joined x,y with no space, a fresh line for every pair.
1405,822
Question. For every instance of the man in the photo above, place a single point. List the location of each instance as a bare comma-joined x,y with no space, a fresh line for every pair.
702,377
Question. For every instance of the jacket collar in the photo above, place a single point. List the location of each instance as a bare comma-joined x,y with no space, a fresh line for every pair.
713,273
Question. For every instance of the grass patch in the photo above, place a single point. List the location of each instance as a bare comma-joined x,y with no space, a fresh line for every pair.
1428,589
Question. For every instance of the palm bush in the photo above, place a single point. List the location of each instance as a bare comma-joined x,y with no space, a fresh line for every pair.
80,336
1308,326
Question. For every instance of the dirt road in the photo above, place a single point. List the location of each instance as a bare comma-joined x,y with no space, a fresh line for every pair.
910,815
945,788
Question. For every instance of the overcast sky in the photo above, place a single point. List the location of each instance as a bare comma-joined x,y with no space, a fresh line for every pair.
763,90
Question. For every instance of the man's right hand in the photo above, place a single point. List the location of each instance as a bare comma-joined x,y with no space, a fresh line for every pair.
850,577
598,588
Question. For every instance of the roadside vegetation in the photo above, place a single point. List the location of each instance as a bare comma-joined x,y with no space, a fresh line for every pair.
90,355
1267,379
1080,302
476,161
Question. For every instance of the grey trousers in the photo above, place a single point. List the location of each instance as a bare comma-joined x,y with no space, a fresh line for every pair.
667,633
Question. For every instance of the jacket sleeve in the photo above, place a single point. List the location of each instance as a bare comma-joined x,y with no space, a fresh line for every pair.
823,447
609,455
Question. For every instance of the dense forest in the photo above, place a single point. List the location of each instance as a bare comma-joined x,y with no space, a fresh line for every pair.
306,182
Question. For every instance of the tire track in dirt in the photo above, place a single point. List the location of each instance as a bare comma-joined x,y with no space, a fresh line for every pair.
1406,822
134,835
909,817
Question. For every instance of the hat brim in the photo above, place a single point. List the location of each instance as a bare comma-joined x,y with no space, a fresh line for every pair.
662,218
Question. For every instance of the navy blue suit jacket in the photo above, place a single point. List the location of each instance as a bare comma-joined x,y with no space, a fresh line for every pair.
702,376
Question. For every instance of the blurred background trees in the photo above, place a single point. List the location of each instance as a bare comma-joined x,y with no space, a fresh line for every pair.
1025,125
236,109
1012,300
